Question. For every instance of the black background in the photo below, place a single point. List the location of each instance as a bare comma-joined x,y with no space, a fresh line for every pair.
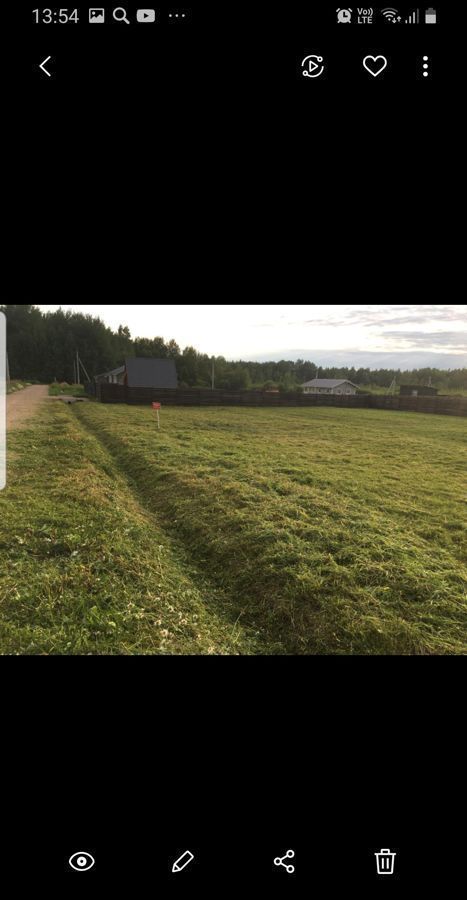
136,760
199,153
239,52
211,170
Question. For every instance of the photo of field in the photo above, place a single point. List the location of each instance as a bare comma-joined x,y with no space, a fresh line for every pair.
234,531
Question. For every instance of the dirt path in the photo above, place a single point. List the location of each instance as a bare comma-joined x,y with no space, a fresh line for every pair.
21,406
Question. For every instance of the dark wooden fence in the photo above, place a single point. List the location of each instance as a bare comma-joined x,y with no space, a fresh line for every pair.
119,393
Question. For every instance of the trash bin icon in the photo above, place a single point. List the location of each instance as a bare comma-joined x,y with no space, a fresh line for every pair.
385,862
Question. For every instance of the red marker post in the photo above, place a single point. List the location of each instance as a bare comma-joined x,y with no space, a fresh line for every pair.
157,407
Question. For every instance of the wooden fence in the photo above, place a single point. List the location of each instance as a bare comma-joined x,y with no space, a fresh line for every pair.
119,393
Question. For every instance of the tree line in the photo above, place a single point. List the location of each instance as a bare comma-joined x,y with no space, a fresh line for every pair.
42,348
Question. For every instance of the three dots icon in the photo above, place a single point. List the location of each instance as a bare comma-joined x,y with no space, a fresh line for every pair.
426,66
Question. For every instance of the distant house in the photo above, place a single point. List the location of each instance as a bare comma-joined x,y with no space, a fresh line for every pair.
329,386
139,372
116,376
415,390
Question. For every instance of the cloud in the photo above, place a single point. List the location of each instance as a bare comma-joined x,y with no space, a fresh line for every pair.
367,359
422,315
450,340
379,316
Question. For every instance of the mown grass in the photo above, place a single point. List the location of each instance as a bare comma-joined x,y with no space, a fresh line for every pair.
66,390
330,530
284,531
84,568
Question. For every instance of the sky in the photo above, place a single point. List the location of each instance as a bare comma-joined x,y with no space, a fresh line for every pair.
386,336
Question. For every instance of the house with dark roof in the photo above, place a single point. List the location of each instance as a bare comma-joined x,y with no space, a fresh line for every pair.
329,386
143,372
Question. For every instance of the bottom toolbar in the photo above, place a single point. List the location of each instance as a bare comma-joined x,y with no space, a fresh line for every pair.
331,860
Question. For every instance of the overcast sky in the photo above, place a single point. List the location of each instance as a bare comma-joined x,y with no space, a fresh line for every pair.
350,334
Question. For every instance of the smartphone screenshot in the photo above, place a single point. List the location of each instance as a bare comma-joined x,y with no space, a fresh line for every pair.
232,422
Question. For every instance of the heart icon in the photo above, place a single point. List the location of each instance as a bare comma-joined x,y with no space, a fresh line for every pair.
375,64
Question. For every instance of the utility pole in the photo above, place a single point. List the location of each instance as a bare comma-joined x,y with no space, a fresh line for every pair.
80,361
7,370
213,379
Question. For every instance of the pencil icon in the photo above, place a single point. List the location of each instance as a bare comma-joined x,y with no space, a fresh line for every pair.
183,861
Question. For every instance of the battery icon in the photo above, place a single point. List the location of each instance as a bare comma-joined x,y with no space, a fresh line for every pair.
430,17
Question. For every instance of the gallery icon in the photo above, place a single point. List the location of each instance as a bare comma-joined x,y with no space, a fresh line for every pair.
385,862
312,66
146,15
344,16
97,16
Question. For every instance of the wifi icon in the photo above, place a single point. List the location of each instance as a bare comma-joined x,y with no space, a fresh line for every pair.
391,15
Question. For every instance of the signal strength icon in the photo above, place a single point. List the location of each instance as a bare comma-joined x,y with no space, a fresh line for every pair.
391,15
413,18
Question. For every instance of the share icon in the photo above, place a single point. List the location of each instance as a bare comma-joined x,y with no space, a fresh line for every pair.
279,861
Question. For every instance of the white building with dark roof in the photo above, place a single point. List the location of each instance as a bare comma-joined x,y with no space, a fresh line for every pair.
330,386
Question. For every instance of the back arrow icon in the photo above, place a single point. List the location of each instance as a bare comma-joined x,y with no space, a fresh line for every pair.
42,66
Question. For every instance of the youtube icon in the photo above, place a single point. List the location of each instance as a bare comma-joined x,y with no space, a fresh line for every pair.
146,15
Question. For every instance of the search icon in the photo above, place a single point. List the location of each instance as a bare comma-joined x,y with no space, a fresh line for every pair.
120,15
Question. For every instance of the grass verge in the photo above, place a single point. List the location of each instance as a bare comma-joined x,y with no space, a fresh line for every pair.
66,390
14,386
85,569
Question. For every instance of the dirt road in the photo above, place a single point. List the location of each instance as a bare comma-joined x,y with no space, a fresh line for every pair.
21,406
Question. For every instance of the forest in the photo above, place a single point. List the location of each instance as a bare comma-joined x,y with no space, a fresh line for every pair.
42,348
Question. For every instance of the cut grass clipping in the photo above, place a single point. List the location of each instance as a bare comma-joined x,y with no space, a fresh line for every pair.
85,569
231,531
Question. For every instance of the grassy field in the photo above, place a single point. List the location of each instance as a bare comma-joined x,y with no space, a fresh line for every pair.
66,390
233,531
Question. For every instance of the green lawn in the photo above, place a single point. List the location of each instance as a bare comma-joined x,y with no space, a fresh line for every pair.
233,531
66,390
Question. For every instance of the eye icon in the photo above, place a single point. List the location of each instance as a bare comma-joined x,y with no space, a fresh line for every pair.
81,862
